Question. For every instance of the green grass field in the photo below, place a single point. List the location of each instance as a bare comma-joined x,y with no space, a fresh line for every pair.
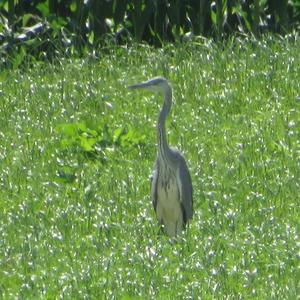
77,150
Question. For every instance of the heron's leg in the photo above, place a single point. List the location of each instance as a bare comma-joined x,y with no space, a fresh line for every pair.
161,227
160,230
176,228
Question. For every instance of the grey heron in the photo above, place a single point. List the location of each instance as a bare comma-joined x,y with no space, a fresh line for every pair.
171,190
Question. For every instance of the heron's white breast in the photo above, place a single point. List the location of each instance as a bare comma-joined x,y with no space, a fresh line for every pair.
168,205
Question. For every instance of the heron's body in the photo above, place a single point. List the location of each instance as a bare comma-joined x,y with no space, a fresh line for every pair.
171,190
166,199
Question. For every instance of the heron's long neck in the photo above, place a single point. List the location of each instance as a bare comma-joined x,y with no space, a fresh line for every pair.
163,147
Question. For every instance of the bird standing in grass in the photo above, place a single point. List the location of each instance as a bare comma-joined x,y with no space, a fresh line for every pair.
171,191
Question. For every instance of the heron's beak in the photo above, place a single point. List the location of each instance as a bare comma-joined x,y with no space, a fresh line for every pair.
138,86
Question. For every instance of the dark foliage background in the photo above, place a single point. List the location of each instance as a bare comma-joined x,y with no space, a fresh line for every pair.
41,28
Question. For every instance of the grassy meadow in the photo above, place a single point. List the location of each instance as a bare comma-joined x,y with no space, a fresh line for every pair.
77,150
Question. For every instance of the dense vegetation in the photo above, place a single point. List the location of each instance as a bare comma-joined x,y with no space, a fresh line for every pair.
41,28
77,149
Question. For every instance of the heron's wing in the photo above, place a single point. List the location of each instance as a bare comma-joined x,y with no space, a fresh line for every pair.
186,189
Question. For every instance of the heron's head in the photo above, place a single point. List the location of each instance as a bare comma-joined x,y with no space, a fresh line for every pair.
157,84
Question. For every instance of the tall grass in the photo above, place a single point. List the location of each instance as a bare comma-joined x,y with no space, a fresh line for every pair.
77,149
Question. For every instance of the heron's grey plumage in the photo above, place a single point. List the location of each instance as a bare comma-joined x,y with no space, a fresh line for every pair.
171,190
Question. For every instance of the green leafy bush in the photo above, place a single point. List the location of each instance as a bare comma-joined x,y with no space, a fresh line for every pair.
42,28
